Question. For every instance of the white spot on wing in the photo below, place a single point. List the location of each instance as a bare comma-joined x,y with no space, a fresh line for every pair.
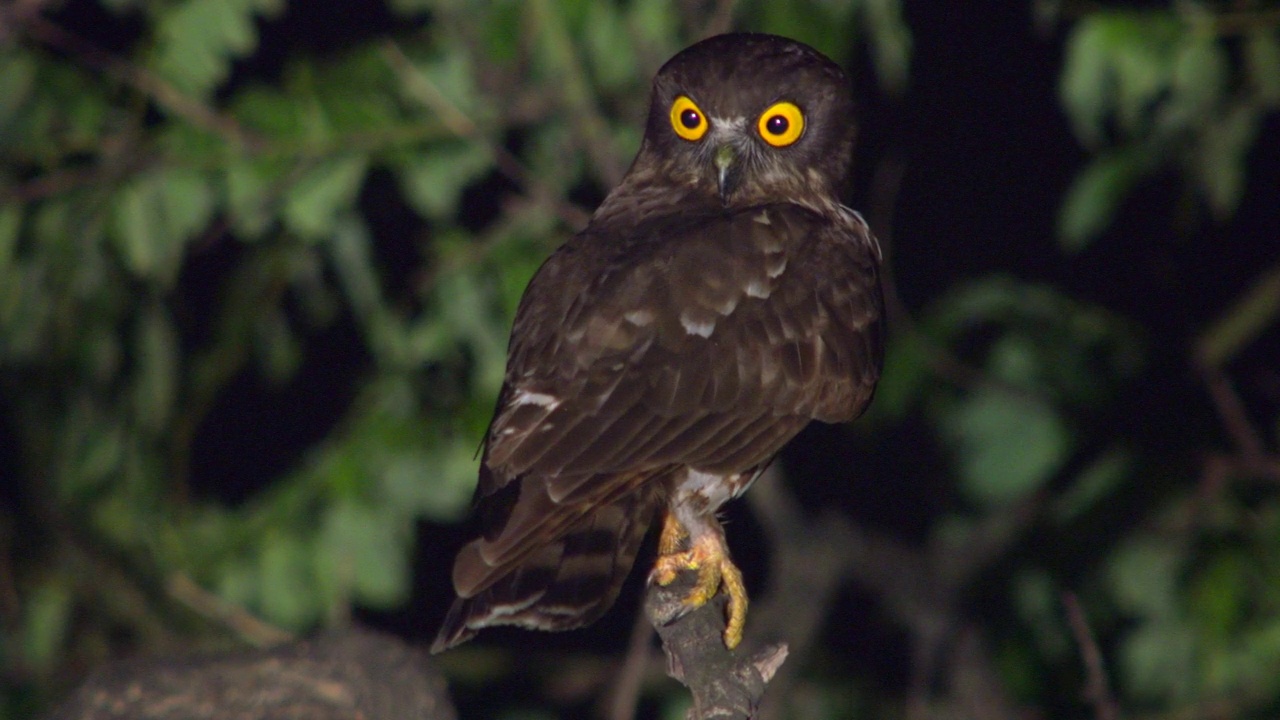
694,327
728,306
763,218
639,317
776,269
524,397
757,289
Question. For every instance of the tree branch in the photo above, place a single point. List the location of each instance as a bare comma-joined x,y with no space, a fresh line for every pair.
725,683
1097,690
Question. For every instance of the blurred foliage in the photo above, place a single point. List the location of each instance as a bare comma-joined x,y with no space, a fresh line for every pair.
1185,86
176,217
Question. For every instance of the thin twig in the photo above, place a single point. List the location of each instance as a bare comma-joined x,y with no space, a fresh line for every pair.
254,630
1232,413
1096,690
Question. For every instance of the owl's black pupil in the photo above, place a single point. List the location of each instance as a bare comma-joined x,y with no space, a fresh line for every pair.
690,119
777,125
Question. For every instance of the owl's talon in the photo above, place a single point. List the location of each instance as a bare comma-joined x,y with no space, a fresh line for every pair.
709,558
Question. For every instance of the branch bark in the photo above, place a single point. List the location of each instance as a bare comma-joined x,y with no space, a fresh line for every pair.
349,676
726,684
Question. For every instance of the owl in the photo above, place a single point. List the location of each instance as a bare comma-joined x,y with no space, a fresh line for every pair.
719,299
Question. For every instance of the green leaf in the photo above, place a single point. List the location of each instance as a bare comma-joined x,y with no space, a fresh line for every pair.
186,201
890,40
1144,576
1200,71
138,229
364,549
1096,482
287,591
412,7
352,251
1223,156
1220,597
269,112
252,187
906,374
1084,86
1095,195
276,346
504,22
443,493
1157,660
609,50
156,358
1015,358
452,75
1262,55
467,307
655,24
1144,47
1117,65
1006,444
434,179
196,40
1038,599
154,217
17,79
10,224
313,204
46,623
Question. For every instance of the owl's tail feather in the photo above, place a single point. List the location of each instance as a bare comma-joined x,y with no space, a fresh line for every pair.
565,584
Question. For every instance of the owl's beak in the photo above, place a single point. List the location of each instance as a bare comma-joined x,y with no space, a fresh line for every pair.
726,156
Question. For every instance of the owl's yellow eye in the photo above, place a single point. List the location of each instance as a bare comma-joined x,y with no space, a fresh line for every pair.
781,125
687,120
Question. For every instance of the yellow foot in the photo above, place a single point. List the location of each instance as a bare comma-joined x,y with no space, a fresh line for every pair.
709,558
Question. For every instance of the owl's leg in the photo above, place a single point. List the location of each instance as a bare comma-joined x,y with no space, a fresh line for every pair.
708,556
672,539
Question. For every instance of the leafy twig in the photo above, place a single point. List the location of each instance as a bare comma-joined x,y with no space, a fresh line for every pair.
152,86
460,124
578,97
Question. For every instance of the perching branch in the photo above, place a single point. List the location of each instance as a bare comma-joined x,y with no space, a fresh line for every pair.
725,683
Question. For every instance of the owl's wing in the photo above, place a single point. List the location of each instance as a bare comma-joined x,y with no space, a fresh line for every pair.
706,342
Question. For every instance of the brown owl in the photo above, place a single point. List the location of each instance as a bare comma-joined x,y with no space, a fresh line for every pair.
720,298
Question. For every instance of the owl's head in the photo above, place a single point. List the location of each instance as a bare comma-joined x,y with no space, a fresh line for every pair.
751,118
